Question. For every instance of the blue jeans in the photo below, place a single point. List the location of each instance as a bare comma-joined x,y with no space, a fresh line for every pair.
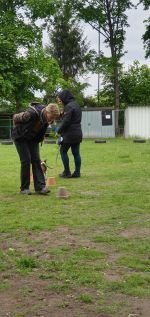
75,149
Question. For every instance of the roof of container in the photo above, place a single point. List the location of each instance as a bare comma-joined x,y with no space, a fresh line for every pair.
96,108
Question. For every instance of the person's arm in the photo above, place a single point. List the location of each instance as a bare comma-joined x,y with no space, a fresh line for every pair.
23,117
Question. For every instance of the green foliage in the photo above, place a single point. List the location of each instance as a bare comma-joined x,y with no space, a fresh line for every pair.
146,39
41,9
146,3
134,85
75,87
90,102
24,67
146,35
67,44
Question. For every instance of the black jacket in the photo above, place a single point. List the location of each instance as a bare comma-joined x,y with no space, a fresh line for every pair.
30,124
70,126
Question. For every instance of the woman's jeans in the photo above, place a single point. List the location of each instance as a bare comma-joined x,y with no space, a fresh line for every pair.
29,155
75,149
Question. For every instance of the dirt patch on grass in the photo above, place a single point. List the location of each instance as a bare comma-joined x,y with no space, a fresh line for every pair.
44,241
136,232
133,306
30,297
27,294
113,275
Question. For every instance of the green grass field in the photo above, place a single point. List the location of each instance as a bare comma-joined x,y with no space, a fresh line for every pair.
85,256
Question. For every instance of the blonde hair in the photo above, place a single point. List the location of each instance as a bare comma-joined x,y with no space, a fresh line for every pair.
53,109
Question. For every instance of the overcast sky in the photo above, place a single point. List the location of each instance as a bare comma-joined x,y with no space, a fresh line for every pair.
133,44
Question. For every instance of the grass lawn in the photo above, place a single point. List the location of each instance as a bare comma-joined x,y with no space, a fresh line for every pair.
85,256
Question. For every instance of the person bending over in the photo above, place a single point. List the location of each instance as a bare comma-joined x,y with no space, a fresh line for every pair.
29,128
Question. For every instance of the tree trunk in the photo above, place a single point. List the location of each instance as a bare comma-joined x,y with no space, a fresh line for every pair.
116,98
18,105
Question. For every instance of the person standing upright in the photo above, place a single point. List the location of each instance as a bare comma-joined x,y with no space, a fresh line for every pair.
71,132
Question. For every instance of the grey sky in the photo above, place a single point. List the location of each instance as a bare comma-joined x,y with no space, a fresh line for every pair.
133,44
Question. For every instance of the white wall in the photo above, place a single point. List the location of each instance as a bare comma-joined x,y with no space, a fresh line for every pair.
137,122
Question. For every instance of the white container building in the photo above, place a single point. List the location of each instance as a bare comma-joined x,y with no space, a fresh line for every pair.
137,122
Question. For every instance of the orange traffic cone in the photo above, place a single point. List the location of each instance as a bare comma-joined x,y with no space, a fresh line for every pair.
62,193
51,181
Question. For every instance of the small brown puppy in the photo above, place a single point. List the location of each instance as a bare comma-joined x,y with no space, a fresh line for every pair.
44,168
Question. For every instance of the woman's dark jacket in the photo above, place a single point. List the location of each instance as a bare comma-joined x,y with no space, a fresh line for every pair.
70,126
30,125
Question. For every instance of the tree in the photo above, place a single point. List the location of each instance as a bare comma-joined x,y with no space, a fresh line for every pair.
108,17
67,44
21,56
146,36
134,85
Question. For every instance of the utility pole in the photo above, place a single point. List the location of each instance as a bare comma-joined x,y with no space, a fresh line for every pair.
98,70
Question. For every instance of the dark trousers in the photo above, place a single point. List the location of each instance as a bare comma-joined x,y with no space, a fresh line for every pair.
75,149
29,155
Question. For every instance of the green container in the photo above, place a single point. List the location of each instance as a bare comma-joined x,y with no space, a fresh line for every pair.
5,127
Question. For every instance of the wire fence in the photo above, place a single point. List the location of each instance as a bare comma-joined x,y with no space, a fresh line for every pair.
6,125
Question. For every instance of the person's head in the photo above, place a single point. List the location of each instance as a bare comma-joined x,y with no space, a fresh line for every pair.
52,112
64,96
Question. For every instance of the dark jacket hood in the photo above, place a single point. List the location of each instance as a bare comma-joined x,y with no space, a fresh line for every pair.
65,96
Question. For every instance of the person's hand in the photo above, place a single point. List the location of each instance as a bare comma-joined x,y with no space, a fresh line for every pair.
59,140
55,129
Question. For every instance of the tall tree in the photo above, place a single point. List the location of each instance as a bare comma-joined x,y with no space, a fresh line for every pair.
146,36
109,18
21,42
67,44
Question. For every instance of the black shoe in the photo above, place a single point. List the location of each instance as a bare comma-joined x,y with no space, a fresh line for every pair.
43,191
65,175
75,175
25,192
